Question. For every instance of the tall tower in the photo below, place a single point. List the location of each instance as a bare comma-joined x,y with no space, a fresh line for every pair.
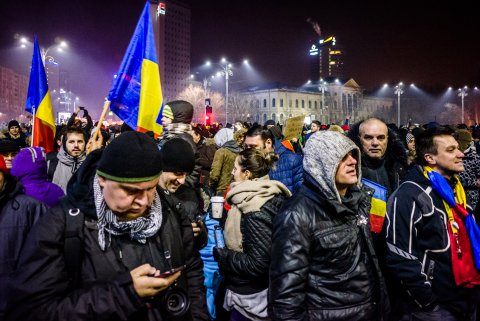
173,46
331,58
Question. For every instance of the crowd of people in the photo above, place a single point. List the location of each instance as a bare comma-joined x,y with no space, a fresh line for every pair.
360,222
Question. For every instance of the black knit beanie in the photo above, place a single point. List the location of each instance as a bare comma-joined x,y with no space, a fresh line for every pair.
182,111
8,146
132,157
13,123
177,156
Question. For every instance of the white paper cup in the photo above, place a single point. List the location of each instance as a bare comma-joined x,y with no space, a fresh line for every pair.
217,206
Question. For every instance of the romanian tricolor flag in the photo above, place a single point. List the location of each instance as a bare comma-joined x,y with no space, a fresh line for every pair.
39,103
379,205
136,93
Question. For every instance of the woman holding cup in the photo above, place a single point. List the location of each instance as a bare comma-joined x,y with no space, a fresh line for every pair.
245,260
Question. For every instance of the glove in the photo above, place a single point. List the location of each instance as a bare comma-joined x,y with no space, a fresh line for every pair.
219,254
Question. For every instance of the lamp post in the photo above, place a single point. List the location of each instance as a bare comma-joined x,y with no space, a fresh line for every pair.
462,93
227,73
322,87
398,91
44,51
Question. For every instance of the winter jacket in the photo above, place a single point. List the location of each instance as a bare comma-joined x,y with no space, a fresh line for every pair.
30,167
323,265
20,140
44,290
247,272
18,213
206,153
288,169
469,177
419,254
222,166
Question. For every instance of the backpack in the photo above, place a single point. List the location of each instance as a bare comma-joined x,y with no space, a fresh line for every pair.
73,245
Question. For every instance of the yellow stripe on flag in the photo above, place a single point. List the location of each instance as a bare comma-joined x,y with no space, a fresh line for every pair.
379,207
44,112
150,97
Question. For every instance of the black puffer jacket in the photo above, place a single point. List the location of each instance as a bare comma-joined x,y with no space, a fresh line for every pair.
247,272
323,264
44,290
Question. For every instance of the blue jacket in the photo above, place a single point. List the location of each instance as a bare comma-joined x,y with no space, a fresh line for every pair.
289,168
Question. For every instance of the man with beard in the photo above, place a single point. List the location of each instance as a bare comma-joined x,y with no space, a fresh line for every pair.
69,158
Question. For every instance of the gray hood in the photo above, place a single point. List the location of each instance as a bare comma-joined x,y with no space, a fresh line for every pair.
322,155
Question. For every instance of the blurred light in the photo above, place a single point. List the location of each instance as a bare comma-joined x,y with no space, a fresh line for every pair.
246,62
224,60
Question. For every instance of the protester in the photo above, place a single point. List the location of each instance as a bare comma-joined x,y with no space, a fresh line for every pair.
323,264
178,160
223,162
30,167
69,158
288,169
314,127
124,241
470,177
8,149
255,200
18,213
15,134
422,237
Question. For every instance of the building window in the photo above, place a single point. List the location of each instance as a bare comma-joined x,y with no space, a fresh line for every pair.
290,103
281,102
281,118
310,104
296,103
264,118
274,117
315,104
264,103
303,103
273,102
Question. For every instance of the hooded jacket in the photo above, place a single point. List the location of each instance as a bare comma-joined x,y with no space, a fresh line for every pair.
222,165
30,167
44,290
323,265
18,213
288,168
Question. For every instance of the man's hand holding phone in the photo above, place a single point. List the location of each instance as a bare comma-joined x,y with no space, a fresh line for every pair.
145,285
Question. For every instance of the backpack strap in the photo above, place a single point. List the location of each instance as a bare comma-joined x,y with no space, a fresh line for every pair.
52,166
73,246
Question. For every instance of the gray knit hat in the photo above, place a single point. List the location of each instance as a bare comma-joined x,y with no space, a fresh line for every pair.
322,155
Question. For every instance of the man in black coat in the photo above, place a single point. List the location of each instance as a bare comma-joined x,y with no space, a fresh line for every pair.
124,245
323,265
18,213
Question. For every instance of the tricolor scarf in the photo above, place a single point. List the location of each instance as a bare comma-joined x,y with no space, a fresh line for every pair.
454,201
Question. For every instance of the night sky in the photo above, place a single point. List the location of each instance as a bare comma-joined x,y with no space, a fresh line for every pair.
430,44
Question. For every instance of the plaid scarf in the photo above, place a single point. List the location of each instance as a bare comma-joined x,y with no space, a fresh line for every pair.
139,229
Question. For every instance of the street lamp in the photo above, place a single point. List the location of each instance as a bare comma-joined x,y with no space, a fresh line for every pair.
398,91
227,72
462,93
44,52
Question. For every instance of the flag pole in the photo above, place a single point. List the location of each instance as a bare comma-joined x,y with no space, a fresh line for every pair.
33,125
106,106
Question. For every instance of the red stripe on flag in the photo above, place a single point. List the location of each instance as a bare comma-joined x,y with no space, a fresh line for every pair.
376,223
43,135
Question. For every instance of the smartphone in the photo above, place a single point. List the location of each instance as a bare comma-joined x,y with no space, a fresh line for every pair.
172,271
218,235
